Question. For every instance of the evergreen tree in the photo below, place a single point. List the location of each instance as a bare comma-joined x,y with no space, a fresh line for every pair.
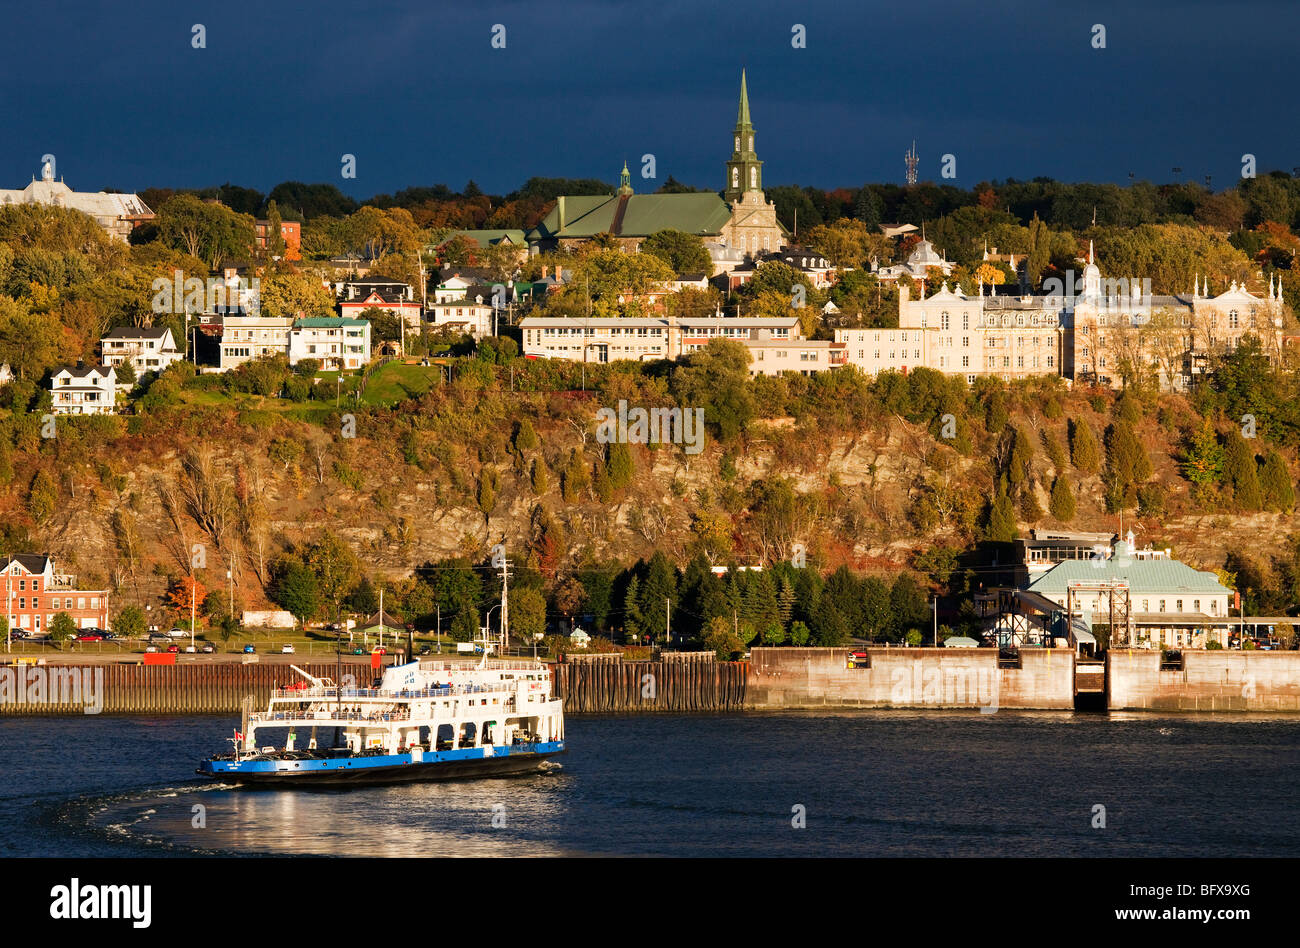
658,588
829,628
1240,471
1039,250
1001,523
1127,463
1083,448
1022,456
1275,484
620,465
1055,453
867,208
575,479
632,620
1203,461
1062,503
540,481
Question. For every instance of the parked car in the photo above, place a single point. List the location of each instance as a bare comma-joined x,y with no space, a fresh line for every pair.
379,650
358,651
286,649
173,647
178,633
249,649
151,648
89,636
426,650
207,648
190,648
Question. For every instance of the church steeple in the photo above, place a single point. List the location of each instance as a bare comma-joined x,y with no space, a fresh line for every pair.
625,180
744,170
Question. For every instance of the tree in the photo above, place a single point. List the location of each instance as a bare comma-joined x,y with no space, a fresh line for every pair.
1083,448
42,496
297,590
1203,461
1276,488
129,622
684,253
205,230
336,566
527,613
1001,525
716,379
1241,472
720,636
186,595
62,628
28,341
1061,505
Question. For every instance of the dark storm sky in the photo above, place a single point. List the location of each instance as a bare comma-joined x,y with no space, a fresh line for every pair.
416,92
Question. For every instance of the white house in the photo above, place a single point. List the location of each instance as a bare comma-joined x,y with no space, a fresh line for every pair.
148,350
471,316
84,390
252,337
338,342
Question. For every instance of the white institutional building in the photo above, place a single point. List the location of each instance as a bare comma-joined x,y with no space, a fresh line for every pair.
118,214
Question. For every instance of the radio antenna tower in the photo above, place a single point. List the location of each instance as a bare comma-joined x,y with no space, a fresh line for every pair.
911,160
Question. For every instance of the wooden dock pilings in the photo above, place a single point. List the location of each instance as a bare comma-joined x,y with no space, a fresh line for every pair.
197,688
650,687
219,687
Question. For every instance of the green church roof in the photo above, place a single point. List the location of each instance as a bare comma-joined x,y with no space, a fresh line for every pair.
636,215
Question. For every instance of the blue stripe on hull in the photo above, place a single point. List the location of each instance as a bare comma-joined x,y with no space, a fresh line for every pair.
462,762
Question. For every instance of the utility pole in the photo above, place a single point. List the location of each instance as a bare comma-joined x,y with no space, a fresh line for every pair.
505,606
439,628
668,620
936,620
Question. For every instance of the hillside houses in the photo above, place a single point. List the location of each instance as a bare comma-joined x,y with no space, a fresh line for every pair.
84,390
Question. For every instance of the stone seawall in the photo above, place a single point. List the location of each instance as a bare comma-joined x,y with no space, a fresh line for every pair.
909,678
1218,680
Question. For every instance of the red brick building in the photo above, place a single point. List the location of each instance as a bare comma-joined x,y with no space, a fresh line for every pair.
35,593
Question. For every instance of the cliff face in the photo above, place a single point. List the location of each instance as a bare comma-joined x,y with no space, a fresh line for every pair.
142,506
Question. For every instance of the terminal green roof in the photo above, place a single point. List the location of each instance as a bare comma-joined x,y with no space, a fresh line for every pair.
327,322
1144,577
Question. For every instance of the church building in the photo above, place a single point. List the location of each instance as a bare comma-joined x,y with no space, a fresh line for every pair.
118,214
741,219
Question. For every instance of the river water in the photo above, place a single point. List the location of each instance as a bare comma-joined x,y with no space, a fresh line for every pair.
862,783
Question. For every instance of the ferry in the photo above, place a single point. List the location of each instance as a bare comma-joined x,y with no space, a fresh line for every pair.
429,719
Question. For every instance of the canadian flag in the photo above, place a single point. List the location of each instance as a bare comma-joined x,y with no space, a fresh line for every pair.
238,736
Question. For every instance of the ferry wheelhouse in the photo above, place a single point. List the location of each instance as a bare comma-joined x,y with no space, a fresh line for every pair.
430,719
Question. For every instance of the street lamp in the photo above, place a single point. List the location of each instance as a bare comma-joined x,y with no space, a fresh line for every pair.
487,626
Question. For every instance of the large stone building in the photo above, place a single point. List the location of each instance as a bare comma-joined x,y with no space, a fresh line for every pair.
118,214
742,219
1107,331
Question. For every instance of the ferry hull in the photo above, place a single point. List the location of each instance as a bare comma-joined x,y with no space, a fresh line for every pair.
401,768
